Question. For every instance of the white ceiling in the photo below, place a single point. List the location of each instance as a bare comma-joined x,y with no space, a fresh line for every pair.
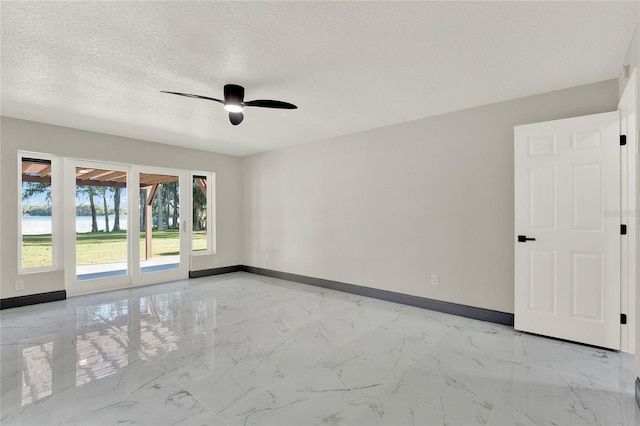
349,66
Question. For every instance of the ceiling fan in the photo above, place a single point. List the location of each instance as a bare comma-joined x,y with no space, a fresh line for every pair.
234,102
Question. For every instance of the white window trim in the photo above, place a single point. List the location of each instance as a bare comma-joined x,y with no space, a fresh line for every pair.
55,213
211,214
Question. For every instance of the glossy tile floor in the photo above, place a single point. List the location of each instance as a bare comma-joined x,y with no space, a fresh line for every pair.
241,349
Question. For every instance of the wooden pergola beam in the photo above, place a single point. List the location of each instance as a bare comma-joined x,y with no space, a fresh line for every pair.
112,175
117,182
202,184
155,179
152,191
34,168
94,173
40,173
36,179
100,183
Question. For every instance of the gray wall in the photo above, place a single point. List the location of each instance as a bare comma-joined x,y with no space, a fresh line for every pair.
388,207
31,136
383,208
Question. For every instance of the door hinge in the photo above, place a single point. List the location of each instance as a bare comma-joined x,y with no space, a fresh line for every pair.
623,140
623,229
623,319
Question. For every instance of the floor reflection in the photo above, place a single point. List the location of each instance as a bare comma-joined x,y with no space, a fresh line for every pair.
108,337
36,374
241,349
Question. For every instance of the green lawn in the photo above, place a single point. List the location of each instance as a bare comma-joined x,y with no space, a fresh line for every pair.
101,247
36,250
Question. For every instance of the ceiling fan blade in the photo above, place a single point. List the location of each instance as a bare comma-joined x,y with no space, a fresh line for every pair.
268,103
189,95
236,118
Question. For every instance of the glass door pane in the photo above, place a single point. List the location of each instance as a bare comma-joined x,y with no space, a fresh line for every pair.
100,223
159,222
37,214
199,211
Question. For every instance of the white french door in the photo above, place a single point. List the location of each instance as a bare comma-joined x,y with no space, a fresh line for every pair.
124,225
160,228
567,225
97,226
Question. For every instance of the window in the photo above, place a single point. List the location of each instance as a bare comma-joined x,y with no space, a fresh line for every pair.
38,218
202,223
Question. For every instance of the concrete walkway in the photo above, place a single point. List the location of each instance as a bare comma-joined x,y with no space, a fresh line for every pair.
112,269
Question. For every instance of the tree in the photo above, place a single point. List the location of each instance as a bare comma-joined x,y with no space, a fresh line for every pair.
102,190
160,198
94,219
116,209
31,189
165,206
143,206
90,191
176,204
199,208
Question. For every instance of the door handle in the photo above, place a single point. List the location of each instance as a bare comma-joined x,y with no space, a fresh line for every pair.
524,239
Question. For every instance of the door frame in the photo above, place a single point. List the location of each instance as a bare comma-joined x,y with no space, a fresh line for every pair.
133,277
611,336
73,286
628,109
182,272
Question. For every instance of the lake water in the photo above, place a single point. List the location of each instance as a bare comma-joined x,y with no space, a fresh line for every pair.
35,225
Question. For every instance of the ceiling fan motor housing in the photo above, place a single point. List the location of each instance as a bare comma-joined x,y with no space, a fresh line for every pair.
233,94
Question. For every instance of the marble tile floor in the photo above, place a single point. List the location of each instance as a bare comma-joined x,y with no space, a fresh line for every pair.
242,349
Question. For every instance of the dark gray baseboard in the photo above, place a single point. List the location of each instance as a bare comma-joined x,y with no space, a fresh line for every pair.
638,391
32,299
405,299
216,271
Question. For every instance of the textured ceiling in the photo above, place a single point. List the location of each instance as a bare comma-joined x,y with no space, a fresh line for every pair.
349,66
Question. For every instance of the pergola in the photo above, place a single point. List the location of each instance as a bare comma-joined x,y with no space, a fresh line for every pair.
39,171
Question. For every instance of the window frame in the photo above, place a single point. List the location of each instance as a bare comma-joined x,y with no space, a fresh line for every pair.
55,213
211,214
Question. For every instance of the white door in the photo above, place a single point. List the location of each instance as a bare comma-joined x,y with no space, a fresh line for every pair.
567,202
97,238
160,211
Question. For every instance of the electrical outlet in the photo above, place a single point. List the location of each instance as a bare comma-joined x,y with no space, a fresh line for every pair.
434,279
19,285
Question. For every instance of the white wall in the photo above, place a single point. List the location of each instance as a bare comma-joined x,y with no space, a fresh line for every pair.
38,137
388,207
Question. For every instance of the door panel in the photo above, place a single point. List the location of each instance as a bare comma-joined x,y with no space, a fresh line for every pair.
587,197
160,236
543,204
161,247
97,232
567,181
587,285
542,281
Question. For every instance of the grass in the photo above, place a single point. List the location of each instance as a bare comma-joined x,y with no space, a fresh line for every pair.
102,247
199,240
37,251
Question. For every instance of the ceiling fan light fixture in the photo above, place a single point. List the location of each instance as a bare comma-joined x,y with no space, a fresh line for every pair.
234,102
233,107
